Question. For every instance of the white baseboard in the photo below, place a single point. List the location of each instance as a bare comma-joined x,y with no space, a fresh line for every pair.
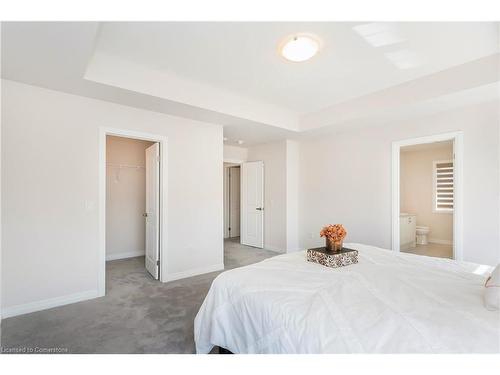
48,303
440,242
193,272
288,251
275,249
130,254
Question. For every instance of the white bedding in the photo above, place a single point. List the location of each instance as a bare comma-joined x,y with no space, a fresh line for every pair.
387,303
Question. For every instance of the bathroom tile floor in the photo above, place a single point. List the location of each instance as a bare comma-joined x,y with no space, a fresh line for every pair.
432,250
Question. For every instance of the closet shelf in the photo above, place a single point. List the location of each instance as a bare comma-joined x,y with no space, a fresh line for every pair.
125,166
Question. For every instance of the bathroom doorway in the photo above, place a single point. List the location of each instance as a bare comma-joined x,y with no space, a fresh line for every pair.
426,196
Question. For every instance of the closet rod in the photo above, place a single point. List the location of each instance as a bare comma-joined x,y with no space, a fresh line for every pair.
124,165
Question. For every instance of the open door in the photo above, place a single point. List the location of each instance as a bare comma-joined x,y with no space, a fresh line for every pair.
152,210
252,204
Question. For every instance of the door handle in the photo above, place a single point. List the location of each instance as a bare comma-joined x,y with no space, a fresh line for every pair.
145,214
260,208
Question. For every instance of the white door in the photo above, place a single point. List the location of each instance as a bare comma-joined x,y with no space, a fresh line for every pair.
252,204
152,210
234,201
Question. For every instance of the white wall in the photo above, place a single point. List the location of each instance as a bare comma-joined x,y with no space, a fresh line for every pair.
346,178
125,197
275,221
281,193
50,193
235,154
292,195
417,190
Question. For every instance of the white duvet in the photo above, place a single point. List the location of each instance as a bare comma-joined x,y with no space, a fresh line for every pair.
387,303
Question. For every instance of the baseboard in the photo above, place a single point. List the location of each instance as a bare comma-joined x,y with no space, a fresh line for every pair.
193,272
275,249
130,254
440,242
48,303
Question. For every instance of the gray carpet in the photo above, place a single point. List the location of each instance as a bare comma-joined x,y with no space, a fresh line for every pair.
137,315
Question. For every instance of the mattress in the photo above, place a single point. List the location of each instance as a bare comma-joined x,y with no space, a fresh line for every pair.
388,302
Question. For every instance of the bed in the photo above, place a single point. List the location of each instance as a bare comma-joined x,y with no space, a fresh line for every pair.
389,302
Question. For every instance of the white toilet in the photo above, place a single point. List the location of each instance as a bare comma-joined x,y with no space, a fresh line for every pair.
422,233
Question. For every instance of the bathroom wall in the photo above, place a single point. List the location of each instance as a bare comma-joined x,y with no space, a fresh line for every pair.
417,188
235,153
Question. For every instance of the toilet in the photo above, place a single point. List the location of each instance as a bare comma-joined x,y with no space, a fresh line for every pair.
422,233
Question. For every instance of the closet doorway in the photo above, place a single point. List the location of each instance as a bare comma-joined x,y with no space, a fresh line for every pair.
132,204
132,200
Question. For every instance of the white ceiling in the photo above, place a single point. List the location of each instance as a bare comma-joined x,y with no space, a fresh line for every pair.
231,74
355,58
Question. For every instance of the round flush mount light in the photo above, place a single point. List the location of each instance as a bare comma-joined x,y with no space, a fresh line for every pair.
300,47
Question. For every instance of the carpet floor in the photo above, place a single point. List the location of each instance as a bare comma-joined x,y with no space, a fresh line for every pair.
137,315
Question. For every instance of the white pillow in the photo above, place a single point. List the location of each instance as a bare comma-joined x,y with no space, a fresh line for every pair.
492,290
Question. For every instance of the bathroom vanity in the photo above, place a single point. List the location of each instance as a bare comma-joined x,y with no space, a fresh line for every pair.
407,231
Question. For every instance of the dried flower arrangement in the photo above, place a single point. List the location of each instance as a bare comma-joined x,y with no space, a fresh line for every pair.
334,234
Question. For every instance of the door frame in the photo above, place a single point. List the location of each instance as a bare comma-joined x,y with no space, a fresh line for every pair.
162,140
457,139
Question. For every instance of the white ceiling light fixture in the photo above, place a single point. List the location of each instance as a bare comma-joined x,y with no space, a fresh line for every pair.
240,142
300,47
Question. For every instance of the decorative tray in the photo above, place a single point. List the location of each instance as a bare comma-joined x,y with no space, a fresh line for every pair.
328,258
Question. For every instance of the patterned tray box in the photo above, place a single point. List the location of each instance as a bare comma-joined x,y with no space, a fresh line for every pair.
328,258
